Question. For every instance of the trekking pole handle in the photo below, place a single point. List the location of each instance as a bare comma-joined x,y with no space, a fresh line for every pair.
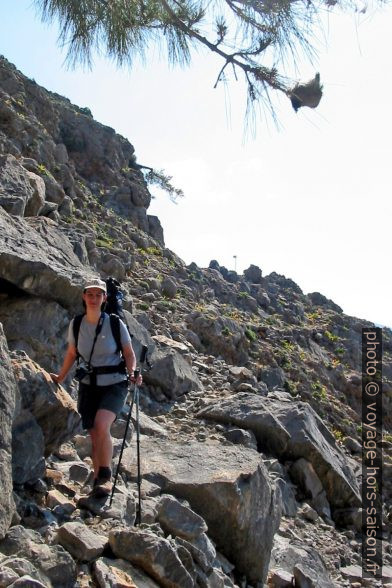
136,373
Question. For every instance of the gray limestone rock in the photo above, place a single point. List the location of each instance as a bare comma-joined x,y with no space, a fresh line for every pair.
19,566
36,202
280,579
318,299
53,408
54,564
253,274
7,576
307,577
22,193
303,473
172,373
148,426
291,430
273,377
241,437
178,519
61,153
204,545
36,326
203,555
220,335
37,258
28,448
140,336
352,445
123,508
227,486
119,573
289,503
262,298
53,190
112,266
8,391
81,542
169,288
153,554
79,472
28,582
155,228
302,562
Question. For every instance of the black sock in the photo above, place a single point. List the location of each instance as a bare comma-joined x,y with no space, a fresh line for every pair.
104,473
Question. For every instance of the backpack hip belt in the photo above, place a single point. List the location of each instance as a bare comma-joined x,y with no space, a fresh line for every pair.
120,368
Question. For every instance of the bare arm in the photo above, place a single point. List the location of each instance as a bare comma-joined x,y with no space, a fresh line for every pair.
68,362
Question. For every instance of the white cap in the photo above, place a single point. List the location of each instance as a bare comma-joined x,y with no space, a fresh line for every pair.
95,283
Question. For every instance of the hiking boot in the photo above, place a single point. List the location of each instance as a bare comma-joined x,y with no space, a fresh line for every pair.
101,488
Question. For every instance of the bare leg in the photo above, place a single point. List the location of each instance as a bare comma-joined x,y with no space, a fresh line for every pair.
102,440
94,451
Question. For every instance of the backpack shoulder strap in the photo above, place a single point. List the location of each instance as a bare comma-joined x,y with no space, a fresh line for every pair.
76,327
115,326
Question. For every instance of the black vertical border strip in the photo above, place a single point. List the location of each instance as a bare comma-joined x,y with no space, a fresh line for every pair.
372,408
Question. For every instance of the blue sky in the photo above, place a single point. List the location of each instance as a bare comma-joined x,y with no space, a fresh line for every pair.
310,200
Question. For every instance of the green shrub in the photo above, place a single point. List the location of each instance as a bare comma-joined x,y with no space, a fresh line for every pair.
288,345
251,335
339,436
331,337
154,251
104,241
42,170
319,390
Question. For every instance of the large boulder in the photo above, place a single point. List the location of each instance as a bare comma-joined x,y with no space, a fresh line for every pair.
39,259
80,541
22,193
28,448
36,326
301,561
253,274
178,519
220,335
172,374
140,336
52,407
112,573
227,486
155,228
156,555
8,391
291,430
53,566
318,299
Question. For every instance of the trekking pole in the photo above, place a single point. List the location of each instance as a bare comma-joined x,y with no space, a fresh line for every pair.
134,397
138,518
122,449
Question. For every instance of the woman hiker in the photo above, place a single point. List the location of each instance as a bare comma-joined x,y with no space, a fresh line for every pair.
102,375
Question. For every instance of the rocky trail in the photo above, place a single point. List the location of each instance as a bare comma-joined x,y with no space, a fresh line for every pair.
250,410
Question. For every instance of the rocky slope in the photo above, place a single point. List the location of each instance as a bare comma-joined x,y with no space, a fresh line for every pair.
251,410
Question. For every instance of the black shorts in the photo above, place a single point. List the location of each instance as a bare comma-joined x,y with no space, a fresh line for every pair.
93,398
